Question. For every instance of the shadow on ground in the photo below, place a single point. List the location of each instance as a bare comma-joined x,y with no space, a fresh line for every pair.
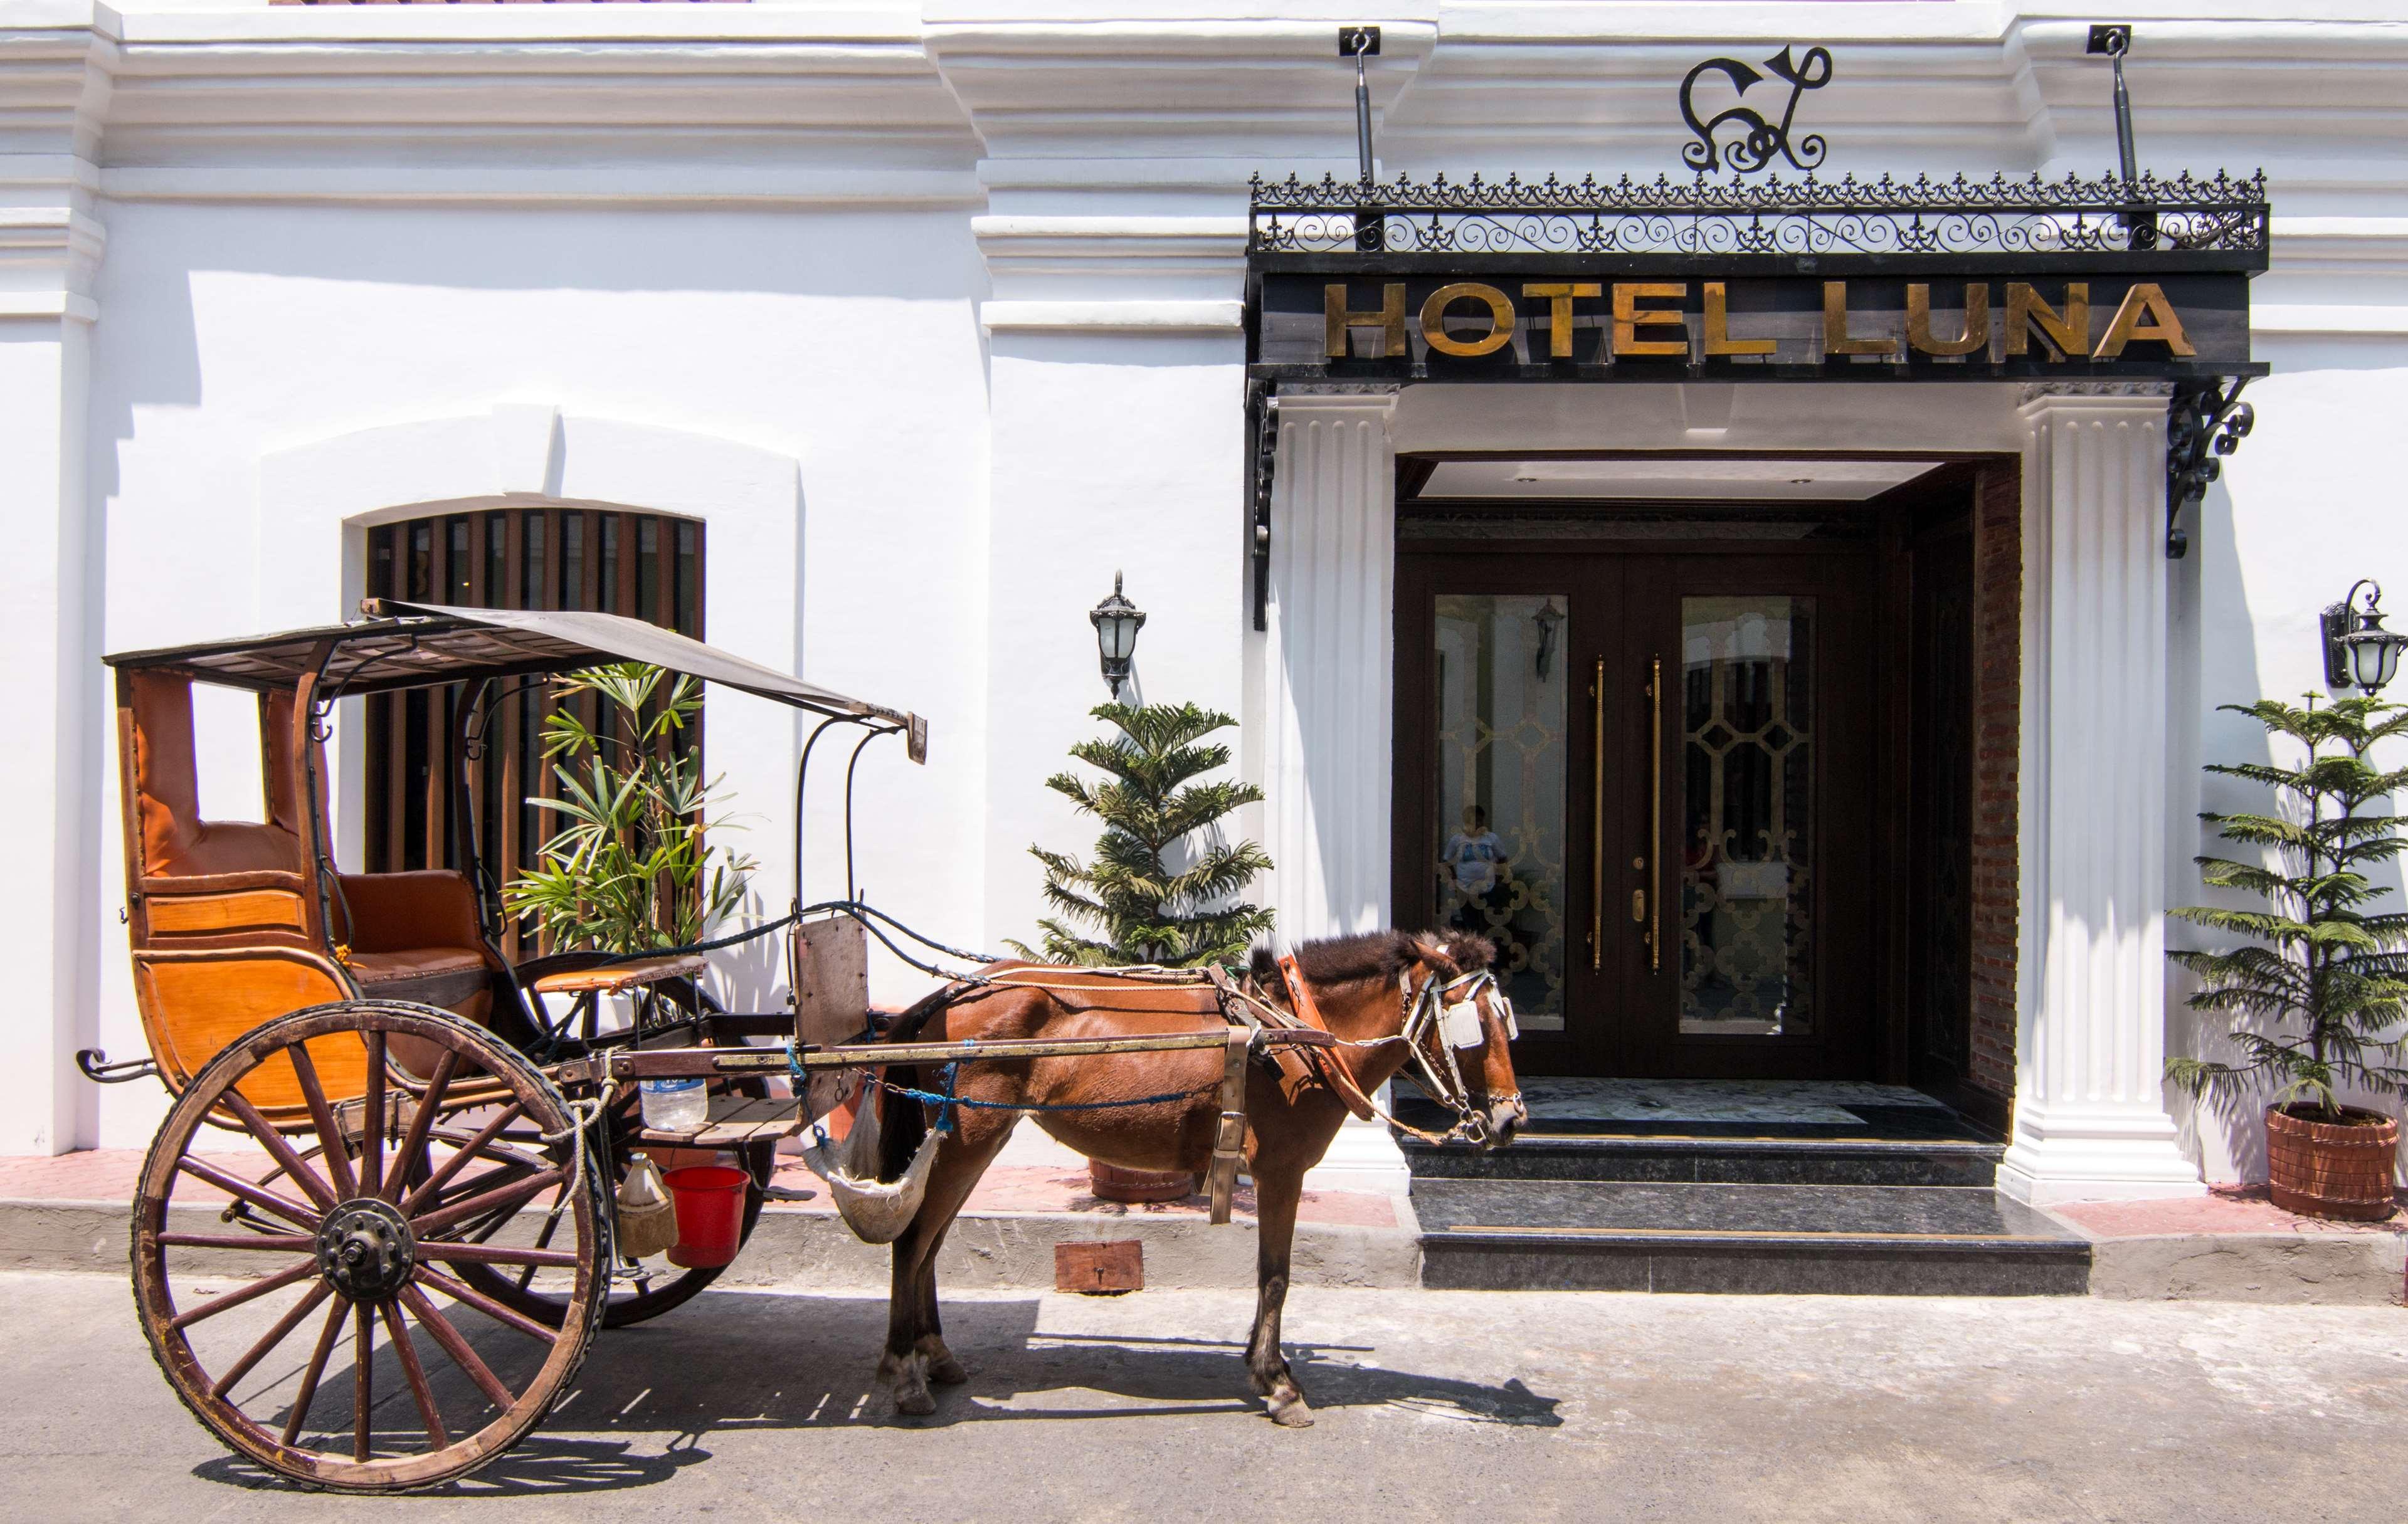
729,1361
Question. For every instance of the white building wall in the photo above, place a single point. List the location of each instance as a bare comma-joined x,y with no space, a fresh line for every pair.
972,272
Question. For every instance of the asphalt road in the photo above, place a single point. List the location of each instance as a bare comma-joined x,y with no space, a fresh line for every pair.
1492,1407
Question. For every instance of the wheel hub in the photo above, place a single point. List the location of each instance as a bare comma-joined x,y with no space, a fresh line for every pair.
365,1251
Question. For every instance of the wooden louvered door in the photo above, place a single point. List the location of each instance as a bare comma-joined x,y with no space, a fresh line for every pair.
646,565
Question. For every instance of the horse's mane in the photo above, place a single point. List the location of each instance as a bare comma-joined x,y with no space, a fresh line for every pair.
1375,955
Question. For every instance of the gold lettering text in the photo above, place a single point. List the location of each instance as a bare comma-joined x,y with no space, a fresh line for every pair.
1629,317
1977,321
1558,296
1836,339
2145,314
1501,320
1336,318
1718,339
2068,335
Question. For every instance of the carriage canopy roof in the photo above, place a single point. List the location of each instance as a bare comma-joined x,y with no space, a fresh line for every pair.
402,645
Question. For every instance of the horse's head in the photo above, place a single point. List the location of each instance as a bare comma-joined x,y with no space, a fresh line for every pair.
1462,1037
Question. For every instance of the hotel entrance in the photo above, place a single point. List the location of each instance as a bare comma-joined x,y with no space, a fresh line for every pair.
1663,752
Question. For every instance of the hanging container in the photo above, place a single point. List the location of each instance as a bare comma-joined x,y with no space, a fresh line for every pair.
709,1215
648,1224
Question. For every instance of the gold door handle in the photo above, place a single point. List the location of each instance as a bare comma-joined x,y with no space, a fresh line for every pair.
1654,892
1639,904
1596,824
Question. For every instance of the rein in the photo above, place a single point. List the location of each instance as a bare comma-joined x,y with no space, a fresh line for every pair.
1427,1014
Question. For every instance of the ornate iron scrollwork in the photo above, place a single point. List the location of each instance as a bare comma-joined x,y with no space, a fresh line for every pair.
1759,139
1262,424
1773,216
2204,423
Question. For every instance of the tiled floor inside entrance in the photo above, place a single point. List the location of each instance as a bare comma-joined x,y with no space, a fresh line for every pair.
1809,1108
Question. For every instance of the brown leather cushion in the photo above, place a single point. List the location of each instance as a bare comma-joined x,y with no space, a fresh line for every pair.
175,842
451,977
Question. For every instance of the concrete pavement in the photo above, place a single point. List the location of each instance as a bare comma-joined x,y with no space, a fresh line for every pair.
1495,1407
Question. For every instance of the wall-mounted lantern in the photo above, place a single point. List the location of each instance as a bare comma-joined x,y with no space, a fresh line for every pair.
1117,621
2358,651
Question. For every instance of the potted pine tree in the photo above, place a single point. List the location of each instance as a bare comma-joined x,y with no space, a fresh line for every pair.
2317,997
1163,884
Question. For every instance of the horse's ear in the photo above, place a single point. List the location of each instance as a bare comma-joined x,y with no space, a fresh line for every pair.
1427,951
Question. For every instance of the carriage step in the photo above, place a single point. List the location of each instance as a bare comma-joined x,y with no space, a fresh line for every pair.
736,1119
1491,1234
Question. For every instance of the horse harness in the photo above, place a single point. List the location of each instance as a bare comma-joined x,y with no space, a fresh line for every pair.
1439,1017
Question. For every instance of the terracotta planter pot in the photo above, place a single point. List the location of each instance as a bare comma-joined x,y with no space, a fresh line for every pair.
2332,1170
1114,1184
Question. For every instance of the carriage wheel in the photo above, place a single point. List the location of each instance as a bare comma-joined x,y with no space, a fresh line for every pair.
347,1352
640,1289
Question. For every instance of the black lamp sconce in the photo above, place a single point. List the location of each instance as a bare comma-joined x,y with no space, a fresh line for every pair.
2358,651
1117,621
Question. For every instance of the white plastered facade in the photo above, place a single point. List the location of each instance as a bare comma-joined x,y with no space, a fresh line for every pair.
931,311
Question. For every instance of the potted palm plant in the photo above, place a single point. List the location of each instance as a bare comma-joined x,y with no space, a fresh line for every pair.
1163,884
2317,999
633,867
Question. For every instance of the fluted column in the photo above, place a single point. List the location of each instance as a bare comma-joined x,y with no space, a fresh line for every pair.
1330,671
2090,1116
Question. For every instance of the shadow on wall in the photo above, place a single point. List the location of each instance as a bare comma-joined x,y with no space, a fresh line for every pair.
2232,671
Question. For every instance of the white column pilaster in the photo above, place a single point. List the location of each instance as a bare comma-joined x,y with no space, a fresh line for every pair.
1329,672
54,58
2090,1116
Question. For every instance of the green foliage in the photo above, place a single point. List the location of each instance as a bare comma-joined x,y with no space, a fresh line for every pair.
2324,974
1130,905
633,867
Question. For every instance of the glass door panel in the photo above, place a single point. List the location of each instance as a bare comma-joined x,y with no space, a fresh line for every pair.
1498,801
1748,817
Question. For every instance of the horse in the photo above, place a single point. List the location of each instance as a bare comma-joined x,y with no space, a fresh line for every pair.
1161,1110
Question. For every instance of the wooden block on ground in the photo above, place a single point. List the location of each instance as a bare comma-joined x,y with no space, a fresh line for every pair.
1105,1269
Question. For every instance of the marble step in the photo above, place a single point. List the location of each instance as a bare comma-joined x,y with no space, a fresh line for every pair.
1735,1160
1498,1234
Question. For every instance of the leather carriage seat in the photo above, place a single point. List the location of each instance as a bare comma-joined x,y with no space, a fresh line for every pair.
415,936
175,842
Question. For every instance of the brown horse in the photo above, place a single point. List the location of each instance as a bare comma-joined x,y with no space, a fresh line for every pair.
1363,988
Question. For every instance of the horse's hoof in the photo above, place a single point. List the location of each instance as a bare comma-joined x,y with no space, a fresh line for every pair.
919,1404
942,1368
1291,1411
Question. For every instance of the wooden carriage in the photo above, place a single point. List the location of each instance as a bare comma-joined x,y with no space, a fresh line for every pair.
430,1124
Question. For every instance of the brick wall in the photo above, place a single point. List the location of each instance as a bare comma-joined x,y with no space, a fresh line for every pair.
1997,697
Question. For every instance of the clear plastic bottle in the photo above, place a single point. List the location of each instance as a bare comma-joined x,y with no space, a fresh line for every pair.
676,1105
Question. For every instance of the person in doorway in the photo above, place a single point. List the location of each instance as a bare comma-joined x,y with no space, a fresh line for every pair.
1473,864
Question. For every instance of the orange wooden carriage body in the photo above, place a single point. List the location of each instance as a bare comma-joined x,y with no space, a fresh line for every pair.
233,923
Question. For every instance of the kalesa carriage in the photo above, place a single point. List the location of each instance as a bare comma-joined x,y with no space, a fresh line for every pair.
414,1283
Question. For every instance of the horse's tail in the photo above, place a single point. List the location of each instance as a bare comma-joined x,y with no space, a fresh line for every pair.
902,1125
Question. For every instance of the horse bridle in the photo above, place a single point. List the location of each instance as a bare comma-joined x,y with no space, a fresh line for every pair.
1428,1012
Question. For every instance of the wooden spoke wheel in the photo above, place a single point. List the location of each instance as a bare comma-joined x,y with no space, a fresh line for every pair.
325,1331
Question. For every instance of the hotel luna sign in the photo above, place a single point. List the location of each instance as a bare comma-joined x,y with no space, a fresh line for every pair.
1475,325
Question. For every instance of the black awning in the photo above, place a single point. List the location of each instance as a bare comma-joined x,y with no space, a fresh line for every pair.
404,644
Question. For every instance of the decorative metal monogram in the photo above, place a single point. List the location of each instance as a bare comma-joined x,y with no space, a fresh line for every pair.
1754,139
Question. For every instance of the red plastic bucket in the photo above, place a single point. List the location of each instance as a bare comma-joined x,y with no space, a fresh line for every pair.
710,1200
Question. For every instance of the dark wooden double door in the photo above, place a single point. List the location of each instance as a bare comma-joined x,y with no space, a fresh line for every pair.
1650,778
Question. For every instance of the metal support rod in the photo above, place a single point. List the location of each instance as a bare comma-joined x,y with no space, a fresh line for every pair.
1363,111
2124,154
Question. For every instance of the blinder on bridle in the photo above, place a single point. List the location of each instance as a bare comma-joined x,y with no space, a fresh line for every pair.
1443,1019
